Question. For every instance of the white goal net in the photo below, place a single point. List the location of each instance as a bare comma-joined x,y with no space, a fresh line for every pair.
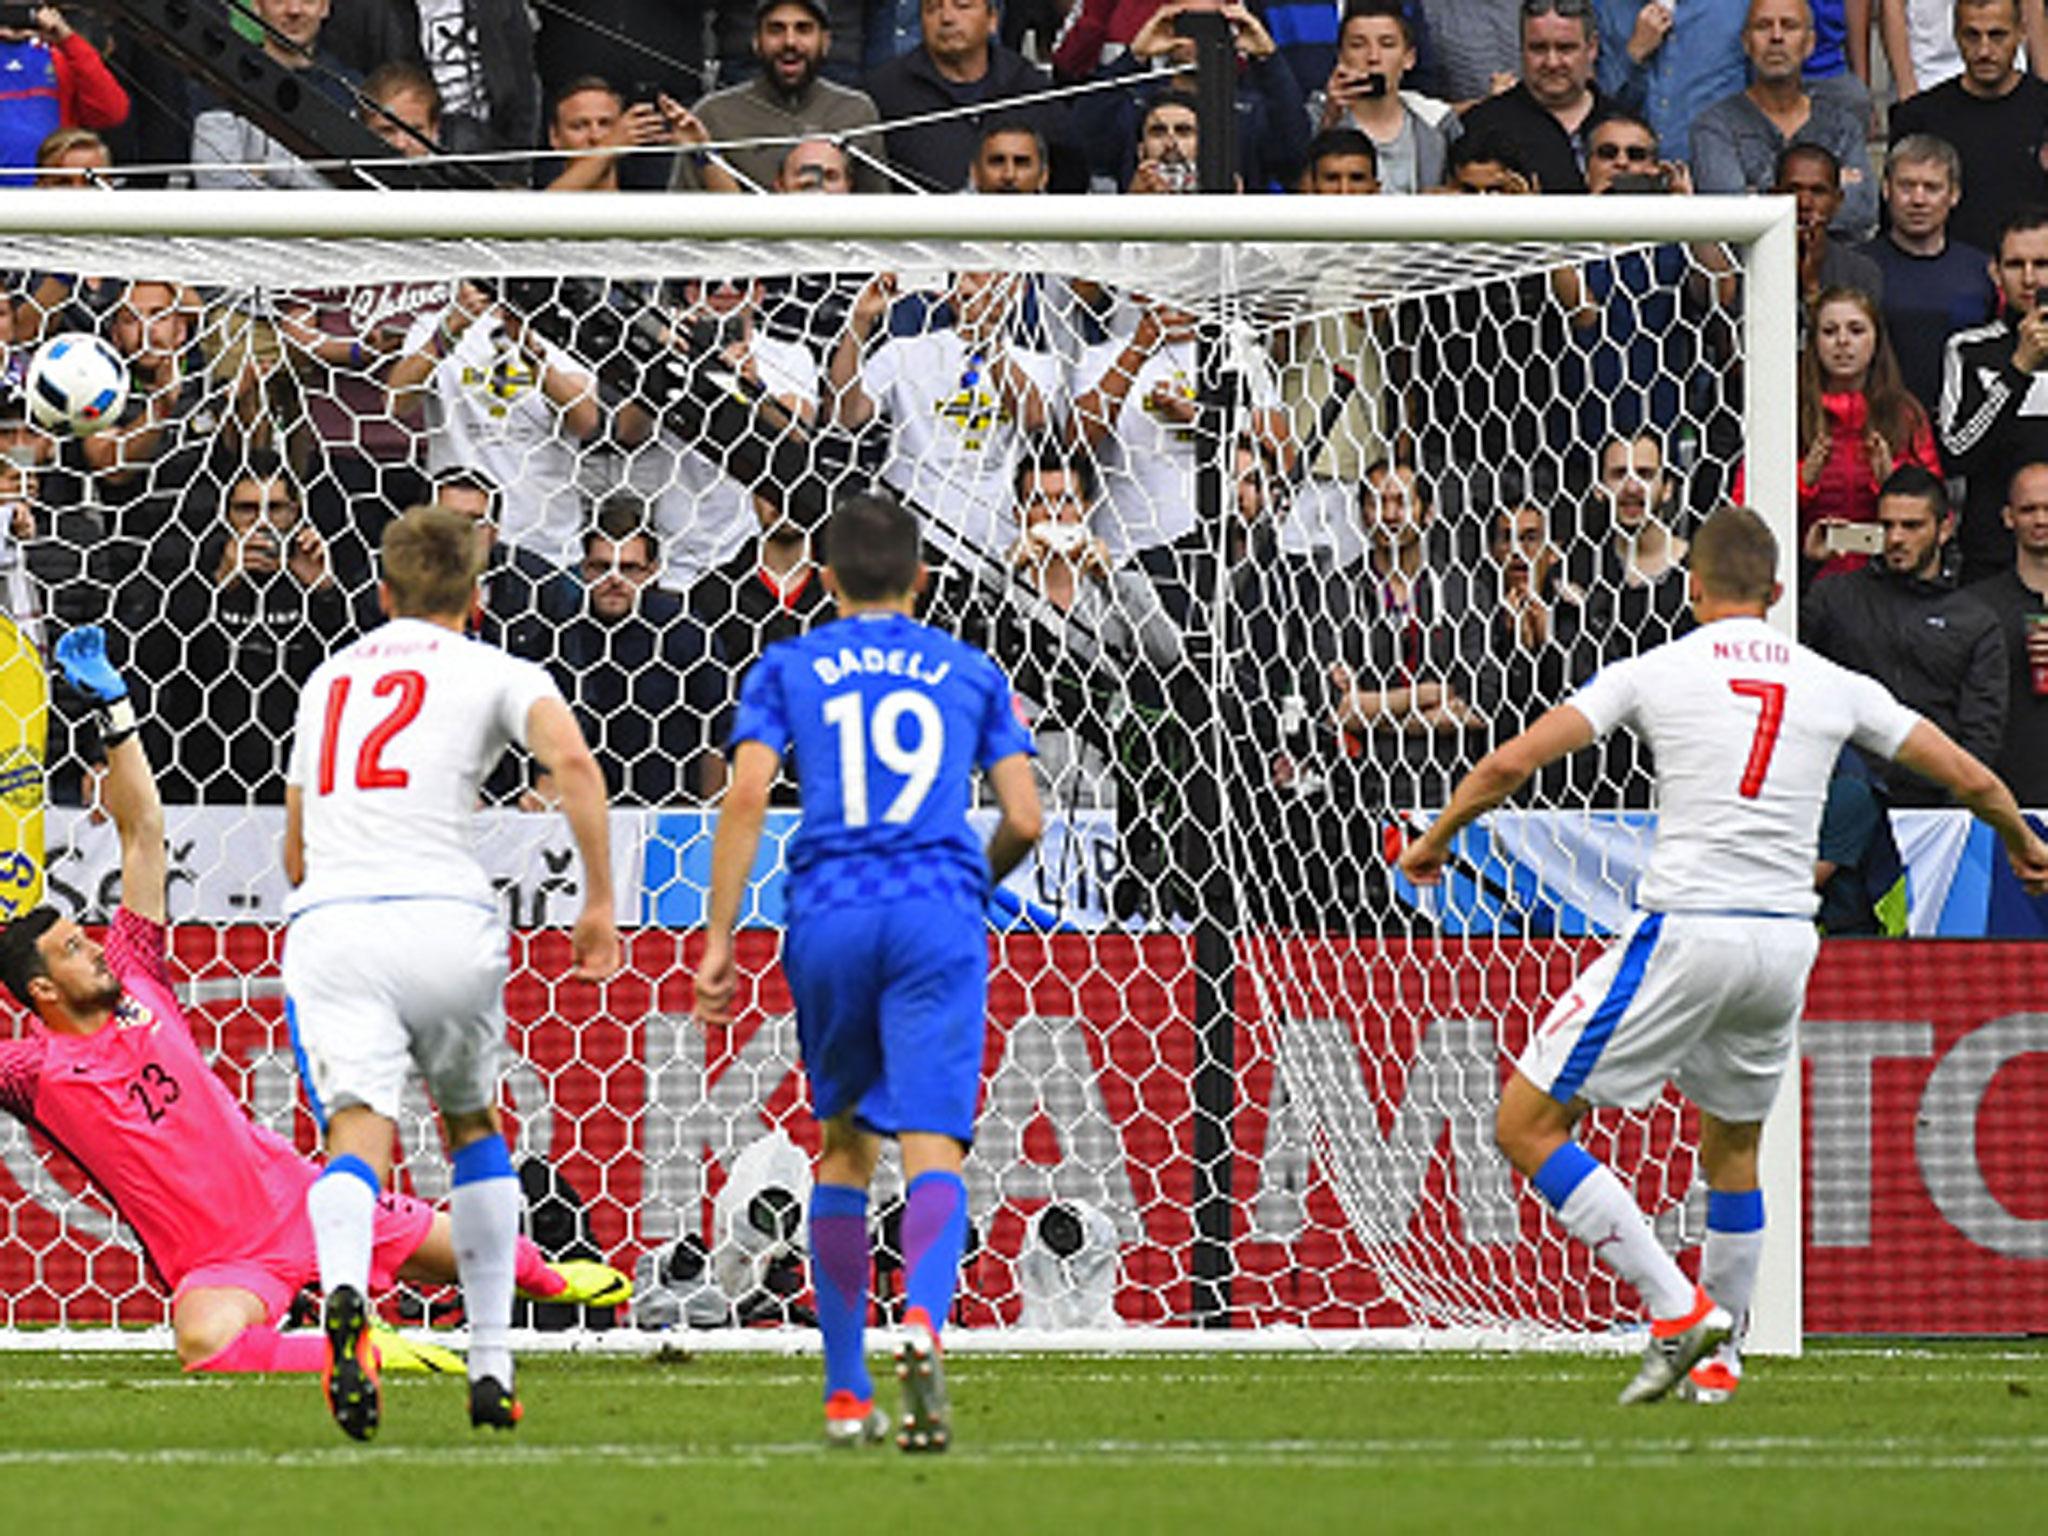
1279,513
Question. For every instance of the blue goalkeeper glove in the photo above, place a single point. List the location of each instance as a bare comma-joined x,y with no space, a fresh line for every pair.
82,653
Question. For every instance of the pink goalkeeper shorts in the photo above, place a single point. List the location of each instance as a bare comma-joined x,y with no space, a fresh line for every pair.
285,1262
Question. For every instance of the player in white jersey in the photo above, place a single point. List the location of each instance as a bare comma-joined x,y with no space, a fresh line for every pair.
396,954
1705,985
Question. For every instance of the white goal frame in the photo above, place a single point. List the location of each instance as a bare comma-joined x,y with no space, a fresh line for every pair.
1762,229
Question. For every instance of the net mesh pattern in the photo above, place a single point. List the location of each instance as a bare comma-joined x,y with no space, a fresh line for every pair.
1450,482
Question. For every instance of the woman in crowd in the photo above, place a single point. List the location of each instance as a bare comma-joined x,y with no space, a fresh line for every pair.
1857,422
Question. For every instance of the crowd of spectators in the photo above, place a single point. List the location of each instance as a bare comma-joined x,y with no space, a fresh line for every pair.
1449,508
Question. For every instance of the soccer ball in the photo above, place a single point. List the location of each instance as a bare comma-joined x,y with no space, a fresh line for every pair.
76,385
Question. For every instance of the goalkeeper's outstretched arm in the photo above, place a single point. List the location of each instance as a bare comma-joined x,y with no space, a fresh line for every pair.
131,798
129,789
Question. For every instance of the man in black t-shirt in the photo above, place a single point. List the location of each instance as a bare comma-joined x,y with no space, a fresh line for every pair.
1546,114
1994,113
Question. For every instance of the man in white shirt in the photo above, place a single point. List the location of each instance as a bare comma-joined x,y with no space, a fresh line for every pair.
498,397
396,955
961,392
1705,985
703,517
1135,410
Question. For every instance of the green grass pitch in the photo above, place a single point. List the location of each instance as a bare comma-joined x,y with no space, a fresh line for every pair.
1858,1439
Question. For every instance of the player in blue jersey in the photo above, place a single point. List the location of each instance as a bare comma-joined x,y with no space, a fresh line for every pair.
886,950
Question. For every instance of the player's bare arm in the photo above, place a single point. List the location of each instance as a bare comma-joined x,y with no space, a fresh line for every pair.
1559,733
554,737
129,790
1023,819
1928,751
741,815
294,835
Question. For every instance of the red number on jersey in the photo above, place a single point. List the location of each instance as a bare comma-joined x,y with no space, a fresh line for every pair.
411,688
1770,715
330,732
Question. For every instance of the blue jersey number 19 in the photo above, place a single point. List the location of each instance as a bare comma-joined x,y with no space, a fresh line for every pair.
916,762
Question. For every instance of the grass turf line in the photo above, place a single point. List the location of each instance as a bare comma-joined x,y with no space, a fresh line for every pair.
1953,1438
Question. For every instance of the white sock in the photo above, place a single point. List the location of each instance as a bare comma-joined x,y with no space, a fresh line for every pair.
1728,1262
484,1217
1601,1214
343,1212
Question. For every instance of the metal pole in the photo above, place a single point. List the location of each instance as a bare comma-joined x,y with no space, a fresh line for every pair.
1215,1021
1215,99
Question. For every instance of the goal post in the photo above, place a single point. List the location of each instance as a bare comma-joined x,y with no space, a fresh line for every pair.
1230,686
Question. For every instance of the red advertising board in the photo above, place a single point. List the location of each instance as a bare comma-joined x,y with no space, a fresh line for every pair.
1927,1138
1366,1190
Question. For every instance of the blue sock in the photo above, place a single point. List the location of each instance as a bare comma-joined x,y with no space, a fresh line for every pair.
1738,1211
840,1266
934,1234
1562,1172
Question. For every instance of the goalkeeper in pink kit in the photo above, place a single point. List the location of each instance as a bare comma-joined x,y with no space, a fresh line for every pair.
109,1072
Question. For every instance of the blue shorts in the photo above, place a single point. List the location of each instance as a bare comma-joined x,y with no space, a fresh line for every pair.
891,1012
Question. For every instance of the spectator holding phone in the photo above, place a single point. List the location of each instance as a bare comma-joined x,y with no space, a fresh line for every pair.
1272,119
815,165
1994,393
236,635
1169,137
54,79
1375,52
1857,423
593,124
1639,353
1902,620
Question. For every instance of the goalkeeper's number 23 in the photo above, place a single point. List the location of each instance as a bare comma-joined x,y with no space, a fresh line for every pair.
916,761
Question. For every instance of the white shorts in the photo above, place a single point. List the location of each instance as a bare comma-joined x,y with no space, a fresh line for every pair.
373,988
1706,1001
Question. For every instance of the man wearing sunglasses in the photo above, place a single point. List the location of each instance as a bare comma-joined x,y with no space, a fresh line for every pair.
1622,155
1636,361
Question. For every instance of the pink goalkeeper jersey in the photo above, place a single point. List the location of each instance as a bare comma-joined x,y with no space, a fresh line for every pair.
137,1107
